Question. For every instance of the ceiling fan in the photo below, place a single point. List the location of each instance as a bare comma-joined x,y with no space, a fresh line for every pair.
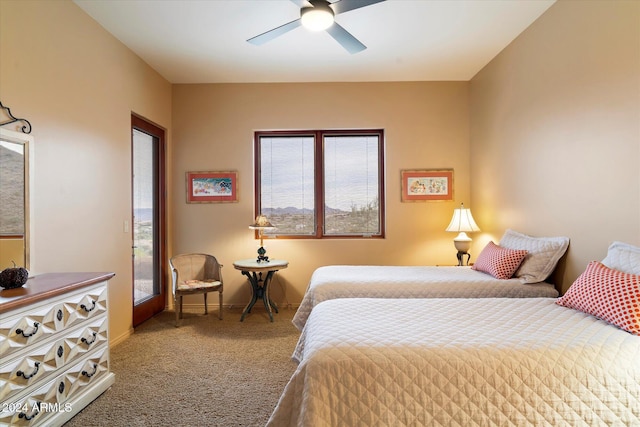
318,15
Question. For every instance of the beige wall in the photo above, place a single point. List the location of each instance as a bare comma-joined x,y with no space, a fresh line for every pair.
555,131
78,85
426,126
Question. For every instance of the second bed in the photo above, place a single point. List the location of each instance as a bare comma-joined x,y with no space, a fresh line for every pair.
496,274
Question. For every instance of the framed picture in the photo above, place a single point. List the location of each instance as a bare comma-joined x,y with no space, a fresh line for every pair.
426,185
212,187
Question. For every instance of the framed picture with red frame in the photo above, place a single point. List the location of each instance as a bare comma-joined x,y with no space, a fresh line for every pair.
212,187
427,185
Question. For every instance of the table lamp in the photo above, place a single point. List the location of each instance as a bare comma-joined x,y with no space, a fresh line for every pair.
261,224
461,223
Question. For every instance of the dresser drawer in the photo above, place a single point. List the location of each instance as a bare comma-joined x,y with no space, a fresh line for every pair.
87,338
38,362
35,324
90,304
57,395
20,330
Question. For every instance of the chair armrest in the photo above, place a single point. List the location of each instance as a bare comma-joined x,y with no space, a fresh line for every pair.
174,279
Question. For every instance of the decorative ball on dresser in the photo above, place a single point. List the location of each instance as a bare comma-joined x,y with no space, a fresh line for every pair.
13,277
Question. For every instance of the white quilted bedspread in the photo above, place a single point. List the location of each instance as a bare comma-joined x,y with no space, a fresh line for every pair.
460,362
374,281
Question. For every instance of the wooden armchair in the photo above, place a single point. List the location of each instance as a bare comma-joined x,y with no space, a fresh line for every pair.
195,274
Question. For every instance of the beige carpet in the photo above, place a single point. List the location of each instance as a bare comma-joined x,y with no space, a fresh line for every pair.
208,372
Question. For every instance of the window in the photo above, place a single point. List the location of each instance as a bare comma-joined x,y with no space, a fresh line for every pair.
320,184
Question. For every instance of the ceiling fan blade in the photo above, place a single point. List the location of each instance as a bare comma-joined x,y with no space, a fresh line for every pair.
301,3
345,38
276,32
342,6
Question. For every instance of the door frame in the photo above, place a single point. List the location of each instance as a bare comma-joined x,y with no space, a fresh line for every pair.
157,304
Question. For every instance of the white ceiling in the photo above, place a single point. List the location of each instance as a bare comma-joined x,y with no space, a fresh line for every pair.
204,41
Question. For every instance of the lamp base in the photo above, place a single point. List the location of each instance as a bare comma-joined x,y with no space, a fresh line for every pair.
460,255
462,242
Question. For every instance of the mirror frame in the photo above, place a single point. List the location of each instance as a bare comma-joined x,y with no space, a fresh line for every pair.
28,142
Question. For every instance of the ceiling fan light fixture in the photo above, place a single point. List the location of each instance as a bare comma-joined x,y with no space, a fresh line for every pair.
317,18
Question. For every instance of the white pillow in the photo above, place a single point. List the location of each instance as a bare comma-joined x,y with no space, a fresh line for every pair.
623,257
542,257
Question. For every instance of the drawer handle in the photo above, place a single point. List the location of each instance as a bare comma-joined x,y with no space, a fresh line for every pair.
60,351
36,367
27,335
59,315
89,375
87,342
61,387
87,309
29,417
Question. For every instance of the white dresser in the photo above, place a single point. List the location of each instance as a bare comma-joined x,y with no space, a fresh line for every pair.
54,348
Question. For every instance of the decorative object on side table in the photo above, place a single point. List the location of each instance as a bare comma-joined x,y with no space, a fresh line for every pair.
261,224
13,277
461,223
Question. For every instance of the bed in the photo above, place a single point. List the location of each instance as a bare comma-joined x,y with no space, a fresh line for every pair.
515,268
573,360
371,281
459,362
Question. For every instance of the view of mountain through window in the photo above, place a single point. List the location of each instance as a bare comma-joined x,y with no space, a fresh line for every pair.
321,183
12,189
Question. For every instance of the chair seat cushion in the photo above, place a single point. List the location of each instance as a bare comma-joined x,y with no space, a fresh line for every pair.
188,285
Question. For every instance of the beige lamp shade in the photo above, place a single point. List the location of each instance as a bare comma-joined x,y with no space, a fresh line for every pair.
261,223
462,220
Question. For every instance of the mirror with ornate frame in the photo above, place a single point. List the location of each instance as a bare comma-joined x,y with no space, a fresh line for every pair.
16,199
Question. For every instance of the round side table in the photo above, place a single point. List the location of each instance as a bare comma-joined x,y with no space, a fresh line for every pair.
259,285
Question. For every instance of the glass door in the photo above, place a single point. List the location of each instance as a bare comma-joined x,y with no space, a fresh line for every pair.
148,248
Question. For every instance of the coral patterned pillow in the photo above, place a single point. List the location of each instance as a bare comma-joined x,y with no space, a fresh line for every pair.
608,294
499,262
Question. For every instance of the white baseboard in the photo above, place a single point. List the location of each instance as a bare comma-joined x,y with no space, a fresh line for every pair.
117,340
214,307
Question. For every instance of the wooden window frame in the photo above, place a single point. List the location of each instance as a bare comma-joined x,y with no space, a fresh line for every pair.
319,196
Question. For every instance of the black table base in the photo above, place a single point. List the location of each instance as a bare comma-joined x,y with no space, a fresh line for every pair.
259,290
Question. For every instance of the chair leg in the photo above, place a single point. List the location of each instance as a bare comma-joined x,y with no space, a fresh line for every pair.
177,305
206,310
220,305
